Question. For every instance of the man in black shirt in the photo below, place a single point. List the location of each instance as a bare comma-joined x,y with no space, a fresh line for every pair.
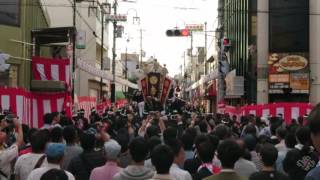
82,165
269,156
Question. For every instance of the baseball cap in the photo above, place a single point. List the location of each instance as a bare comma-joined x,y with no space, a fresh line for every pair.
54,150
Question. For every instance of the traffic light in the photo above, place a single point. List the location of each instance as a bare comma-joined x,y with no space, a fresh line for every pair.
177,32
226,43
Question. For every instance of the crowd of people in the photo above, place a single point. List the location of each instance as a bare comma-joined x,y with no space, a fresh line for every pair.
162,144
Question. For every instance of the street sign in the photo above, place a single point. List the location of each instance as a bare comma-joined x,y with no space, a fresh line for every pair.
117,17
195,27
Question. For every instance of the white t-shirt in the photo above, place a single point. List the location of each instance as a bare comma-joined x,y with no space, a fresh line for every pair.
26,163
37,173
6,157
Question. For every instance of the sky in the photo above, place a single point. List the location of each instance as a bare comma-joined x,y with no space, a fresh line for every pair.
156,17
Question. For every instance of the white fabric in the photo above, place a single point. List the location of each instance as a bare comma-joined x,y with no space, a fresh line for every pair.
40,68
68,70
178,173
5,102
37,173
280,110
46,106
19,101
55,72
26,163
6,157
252,112
35,112
295,113
60,104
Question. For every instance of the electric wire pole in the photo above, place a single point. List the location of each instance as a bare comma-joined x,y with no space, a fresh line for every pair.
113,85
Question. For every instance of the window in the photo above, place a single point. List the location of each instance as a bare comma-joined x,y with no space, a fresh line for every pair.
289,25
10,12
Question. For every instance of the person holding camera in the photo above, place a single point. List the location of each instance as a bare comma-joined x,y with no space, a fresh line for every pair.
9,153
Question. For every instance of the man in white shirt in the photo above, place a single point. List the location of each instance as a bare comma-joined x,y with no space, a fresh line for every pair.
8,154
179,155
54,153
30,161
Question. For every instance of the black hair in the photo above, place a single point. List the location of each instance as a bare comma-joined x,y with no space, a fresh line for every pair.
56,174
175,145
203,126
47,118
303,136
200,139
87,141
153,142
138,149
69,134
250,129
187,141
56,135
214,140
290,140
30,133
169,133
162,158
25,130
54,114
192,131
152,131
222,131
269,154
123,139
250,142
54,160
228,153
38,141
206,151
281,132
314,120
2,117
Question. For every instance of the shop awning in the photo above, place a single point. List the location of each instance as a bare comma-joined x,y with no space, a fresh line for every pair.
105,75
120,95
213,75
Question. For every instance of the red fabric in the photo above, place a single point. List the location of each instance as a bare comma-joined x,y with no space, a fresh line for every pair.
47,63
25,109
258,109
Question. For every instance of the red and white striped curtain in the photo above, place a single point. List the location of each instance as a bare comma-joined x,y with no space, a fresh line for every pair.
87,103
30,107
51,69
288,110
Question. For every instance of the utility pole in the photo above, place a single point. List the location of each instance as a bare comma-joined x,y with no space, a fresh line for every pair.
141,51
101,53
113,85
205,48
184,61
74,49
191,53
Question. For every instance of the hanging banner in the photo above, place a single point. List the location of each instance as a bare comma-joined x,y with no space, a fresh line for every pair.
166,89
105,75
154,84
81,39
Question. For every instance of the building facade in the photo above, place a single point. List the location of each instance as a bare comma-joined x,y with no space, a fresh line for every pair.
274,47
15,38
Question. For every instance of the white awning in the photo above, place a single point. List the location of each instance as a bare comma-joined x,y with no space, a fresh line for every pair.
213,75
105,75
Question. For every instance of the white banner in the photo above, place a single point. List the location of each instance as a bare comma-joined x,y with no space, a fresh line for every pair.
105,75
